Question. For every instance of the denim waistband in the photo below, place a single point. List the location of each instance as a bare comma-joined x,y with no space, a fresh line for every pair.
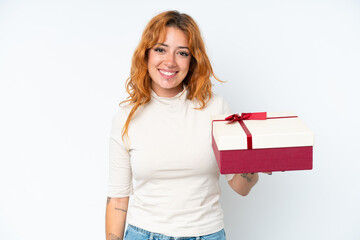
153,236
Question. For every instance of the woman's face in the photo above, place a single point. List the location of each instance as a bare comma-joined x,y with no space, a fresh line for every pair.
168,63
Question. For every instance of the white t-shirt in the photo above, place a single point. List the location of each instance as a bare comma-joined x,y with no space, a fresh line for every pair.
170,159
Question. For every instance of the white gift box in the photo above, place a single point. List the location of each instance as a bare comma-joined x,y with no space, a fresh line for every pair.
278,142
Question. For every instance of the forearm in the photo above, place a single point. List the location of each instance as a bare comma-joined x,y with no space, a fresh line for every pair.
242,183
116,211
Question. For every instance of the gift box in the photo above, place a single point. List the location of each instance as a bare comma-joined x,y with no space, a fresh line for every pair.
262,142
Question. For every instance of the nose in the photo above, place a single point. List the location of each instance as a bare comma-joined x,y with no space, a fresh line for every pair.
169,60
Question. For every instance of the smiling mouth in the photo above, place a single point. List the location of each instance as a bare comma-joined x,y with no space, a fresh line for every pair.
167,74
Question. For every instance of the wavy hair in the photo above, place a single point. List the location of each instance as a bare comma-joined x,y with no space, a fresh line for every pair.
197,81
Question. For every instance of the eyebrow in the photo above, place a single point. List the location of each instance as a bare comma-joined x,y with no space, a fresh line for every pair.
165,45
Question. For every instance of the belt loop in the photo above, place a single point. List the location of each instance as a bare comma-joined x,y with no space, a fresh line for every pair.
151,236
197,238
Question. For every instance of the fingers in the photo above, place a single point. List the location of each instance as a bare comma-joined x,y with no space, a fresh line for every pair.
268,173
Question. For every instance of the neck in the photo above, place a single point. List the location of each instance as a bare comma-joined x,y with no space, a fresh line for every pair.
167,92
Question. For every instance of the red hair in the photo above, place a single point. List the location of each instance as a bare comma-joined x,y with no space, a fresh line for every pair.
197,81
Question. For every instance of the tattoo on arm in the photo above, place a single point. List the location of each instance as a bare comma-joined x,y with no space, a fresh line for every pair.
245,175
120,209
113,237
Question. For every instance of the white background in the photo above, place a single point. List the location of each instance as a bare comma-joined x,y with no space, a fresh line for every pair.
63,65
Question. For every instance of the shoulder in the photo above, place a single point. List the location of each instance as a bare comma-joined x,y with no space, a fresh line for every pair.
218,103
121,113
216,98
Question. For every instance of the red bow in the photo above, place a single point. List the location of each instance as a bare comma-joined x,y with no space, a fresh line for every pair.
246,116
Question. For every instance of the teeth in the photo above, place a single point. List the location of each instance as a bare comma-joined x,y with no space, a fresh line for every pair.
167,73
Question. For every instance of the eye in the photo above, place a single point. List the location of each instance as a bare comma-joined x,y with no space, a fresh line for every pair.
184,54
160,50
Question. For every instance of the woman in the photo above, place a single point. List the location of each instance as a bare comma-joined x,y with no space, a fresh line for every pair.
161,137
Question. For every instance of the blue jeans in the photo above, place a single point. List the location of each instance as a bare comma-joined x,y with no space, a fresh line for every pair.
135,233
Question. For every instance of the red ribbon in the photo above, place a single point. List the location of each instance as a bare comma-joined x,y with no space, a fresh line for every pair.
246,116
249,116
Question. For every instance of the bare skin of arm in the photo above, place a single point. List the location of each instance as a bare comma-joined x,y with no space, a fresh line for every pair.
242,183
116,211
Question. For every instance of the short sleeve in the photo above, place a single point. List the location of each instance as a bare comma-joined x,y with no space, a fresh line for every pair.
120,174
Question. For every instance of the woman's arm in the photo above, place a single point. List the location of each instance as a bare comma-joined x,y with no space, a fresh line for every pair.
116,211
243,182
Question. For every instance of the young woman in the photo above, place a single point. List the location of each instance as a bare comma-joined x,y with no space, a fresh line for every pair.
161,137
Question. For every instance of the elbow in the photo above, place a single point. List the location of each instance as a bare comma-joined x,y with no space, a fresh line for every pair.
117,201
243,192
240,189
